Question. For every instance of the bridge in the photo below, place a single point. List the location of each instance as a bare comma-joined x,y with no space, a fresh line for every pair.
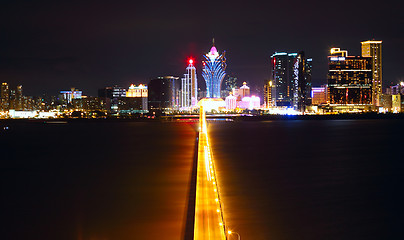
204,219
209,220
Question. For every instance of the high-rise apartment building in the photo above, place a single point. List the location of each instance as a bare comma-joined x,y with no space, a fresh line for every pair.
18,100
213,72
268,101
5,97
282,74
349,79
302,82
291,75
189,87
373,49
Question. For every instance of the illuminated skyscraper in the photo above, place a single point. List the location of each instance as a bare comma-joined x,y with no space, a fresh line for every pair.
349,79
268,101
18,98
282,73
189,87
302,82
291,75
213,72
373,49
5,96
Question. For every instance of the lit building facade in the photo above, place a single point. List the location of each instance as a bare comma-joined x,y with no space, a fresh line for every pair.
231,102
18,100
111,97
386,102
393,100
319,95
5,96
252,102
89,103
118,91
349,79
282,74
137,91
213,72
302,82
396,89
68,96
373,49
397,103
189,87
135,100
268,101
212,104
243,91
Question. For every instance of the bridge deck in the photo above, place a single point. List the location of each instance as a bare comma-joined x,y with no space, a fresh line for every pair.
208,211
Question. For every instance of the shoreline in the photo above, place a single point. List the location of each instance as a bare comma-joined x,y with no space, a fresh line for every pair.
363,116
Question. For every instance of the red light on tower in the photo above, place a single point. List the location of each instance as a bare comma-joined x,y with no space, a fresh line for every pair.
191,61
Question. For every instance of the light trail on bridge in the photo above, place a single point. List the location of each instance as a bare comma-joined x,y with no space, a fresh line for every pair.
209,220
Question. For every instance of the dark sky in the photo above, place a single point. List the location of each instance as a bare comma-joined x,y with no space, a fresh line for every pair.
48,46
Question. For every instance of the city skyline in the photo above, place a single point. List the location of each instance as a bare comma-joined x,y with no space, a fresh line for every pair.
127,120
63,45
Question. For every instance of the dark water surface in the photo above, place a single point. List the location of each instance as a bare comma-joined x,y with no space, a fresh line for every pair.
337,179
283,180
95,180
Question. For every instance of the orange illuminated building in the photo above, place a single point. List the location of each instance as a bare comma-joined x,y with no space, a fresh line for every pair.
137,91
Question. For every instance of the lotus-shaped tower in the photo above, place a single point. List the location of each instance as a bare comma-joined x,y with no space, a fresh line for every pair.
213,72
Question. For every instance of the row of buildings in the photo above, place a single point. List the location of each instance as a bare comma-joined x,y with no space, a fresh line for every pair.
354,83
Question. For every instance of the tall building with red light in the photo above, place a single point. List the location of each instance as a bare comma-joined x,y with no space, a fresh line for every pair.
189,87
282,75
291,76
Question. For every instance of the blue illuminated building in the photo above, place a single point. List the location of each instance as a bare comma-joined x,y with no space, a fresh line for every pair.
213,72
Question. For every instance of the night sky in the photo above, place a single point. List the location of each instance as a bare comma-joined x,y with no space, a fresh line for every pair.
48,46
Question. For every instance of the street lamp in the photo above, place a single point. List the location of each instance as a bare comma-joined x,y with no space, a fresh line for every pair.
230,232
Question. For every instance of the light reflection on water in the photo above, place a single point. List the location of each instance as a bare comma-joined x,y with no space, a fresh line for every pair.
279,179
96,181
